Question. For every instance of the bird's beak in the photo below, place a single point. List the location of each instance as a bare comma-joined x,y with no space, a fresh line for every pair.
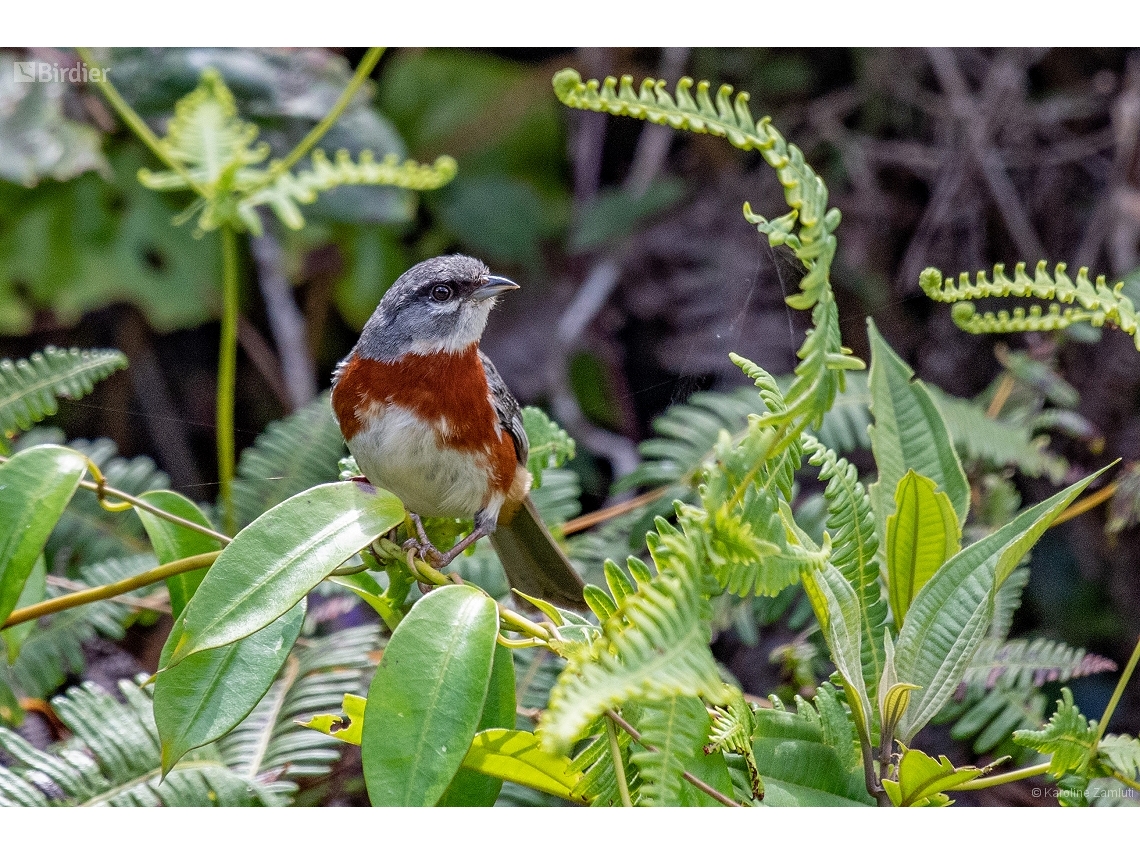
493,286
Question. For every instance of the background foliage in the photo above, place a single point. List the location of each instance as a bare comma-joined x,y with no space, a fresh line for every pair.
639,276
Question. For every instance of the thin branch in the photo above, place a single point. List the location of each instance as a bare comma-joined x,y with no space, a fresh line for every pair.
1125,676
1005,778
692,779
157,603
1086,504
104,592
587,521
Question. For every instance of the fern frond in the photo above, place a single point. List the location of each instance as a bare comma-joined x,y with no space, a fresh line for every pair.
851,524
654,647
997,442
220,152
550,445
1023,663
988,718
268,747
113,759
685,435
806,229
1095,303
30,388
271,470
290,190
678,728
599,784
53,650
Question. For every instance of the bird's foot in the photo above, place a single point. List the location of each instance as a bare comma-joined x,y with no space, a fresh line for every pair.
423,546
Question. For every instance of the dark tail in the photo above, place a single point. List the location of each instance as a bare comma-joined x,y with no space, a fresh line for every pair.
534,563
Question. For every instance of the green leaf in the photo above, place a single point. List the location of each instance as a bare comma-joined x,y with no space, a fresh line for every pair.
469,787
427,696
347,726
280,557
949,617
30,388
171,541
517,756
909,433
35,590
837,609
1067,737
799,766
921,535
11,713
35,486
922,779
205,695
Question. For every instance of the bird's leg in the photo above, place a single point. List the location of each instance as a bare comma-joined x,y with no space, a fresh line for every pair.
432,555
445,558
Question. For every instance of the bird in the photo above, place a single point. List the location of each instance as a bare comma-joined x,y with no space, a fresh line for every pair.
428,417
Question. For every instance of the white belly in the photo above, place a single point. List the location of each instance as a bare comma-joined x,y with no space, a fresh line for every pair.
401,453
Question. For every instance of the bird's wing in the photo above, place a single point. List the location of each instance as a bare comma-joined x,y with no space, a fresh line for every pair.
506,408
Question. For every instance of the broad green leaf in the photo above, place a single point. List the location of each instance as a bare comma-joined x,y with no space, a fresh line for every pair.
922,780
207,694
369,590
35,589
11,713
471,788
35,486
427,696
281,556
921,534
517,755
348,726
799,767
909,433
837,608
171,541
950,615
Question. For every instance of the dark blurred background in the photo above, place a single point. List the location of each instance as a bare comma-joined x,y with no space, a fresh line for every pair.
639,273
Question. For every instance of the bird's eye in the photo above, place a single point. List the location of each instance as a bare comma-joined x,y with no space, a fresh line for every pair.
441,293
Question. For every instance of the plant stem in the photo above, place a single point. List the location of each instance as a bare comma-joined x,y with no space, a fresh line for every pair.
140,128
313,137
227,374
619,766
103,592
1125,676
1086,504
103,490
1006,778
606,514
614,717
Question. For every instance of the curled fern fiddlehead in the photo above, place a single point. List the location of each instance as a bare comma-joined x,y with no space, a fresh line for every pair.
1071,302
807,229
